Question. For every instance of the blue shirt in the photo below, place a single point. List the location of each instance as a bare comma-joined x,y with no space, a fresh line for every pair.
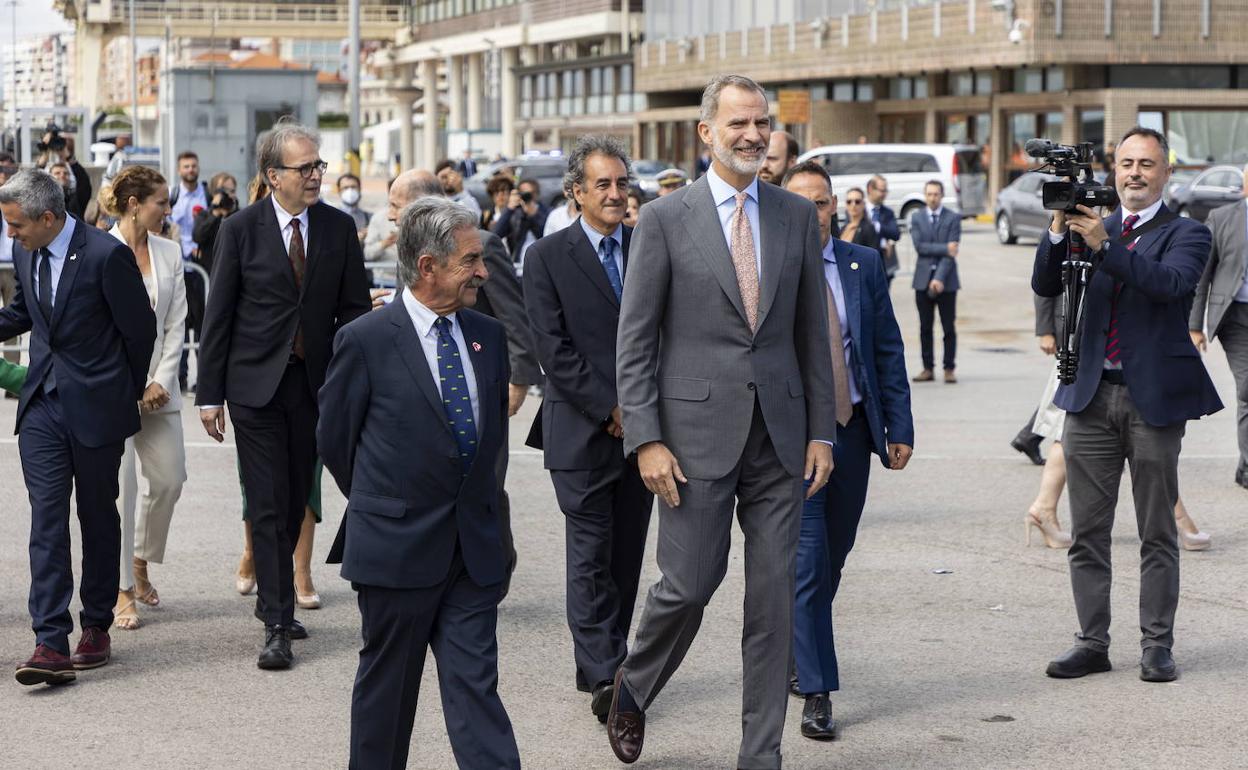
184,214
725,197
833,275
423,319
59,247
595,240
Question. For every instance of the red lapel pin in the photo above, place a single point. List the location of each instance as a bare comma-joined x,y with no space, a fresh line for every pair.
476,346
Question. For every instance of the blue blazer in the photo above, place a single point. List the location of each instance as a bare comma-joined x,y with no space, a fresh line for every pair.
932,245
877,352
1163,370
99,338
384,436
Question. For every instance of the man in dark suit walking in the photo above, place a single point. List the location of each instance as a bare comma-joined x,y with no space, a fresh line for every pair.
80,294
884,221
572,290
414,415
1140,379
287,274
1223,294
872,412
937,235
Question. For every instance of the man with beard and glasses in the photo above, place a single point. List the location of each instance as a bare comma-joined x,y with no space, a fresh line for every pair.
453,186
724,376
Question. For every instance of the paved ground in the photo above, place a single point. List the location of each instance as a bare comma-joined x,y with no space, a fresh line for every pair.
940,670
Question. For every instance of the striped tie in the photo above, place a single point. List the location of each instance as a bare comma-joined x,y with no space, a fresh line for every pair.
1113,348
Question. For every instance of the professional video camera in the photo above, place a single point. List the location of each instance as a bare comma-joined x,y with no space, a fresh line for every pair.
52,139
1074,162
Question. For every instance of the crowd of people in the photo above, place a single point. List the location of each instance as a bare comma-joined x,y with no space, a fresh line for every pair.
728,347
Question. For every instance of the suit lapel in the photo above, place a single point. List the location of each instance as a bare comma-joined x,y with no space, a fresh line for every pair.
851,288
707,234
581,251
413,357
69,270
316,240
271,236
1147,239
774,230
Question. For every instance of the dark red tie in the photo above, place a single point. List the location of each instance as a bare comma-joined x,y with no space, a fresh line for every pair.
1112,347
297,264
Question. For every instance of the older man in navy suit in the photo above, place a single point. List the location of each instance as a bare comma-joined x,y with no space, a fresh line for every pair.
937,235
1140,379
80,294
414,447
873,411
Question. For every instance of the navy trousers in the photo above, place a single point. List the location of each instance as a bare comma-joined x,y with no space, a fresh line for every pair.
459,620
54,464
829,526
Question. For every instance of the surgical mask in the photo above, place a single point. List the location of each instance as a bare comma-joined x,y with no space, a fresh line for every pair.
351,196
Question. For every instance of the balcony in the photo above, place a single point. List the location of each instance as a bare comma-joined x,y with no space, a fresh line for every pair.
188,18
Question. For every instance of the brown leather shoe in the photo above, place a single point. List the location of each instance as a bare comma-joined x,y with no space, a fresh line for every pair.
923,376
46,666
93,649
950,377
626,730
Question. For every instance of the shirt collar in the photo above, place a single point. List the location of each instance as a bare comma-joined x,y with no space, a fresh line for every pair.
595,237
1144,215
422,316
829,250
722,191
60,244
284,216
939,210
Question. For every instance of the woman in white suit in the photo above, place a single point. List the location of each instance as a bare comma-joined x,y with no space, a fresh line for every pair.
139,198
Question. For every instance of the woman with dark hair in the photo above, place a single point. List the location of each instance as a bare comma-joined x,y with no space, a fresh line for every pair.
139,199
857,228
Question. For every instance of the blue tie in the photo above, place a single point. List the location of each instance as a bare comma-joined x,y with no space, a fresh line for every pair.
875,214
455,398
606,253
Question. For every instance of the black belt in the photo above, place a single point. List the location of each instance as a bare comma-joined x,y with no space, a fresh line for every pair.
1113,377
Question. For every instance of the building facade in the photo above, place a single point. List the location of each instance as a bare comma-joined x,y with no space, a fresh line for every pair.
38,72
994,73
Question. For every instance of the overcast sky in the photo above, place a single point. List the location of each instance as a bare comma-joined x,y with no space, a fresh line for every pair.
34,17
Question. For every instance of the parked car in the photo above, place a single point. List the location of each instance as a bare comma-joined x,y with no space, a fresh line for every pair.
1020,211
548,170
1214,187
908,167
645,171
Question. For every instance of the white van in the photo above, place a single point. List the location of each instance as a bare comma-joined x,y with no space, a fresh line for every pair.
908,167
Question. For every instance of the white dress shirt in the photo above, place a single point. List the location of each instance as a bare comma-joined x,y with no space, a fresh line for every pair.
6,243
595,240
833,275
423,319
59,247
725,197
560,218
283,221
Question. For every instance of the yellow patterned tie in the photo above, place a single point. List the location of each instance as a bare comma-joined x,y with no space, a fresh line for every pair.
744,262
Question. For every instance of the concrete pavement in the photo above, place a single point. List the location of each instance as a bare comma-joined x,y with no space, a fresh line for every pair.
939,670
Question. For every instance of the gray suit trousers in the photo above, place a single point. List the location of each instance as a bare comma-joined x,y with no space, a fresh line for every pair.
694,541
1233,333
1097,441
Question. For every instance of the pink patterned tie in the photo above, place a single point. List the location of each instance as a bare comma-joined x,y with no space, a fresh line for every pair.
744,262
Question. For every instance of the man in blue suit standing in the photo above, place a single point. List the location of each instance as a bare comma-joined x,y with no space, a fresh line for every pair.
873,414
80,294
937,235
885,223
414,448
1139,380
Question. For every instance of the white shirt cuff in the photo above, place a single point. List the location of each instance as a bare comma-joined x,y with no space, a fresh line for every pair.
1054,238
214,406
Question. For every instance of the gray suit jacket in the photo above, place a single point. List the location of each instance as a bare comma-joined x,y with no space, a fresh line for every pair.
932,245
1224,273
688,368
1048,315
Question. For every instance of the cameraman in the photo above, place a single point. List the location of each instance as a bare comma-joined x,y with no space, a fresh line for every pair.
1139,381
523,221
223,201
56,147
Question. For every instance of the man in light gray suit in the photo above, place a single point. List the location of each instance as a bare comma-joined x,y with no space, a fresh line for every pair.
1221,306
937,234
722,355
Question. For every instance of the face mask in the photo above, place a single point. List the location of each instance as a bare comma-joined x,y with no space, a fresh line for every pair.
351,196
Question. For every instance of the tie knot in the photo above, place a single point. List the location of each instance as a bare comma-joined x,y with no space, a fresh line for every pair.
294,224
1128,223
741,196
443,325
606,247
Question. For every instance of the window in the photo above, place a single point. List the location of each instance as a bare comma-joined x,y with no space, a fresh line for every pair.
1028,81
920,88
593,104
962,84
526,96
1055,79
1207,136
906,163
983,83
866,91
1226,179
625,101
843,91
901,88
1168,76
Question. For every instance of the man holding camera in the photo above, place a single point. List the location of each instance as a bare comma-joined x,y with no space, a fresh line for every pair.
1139,381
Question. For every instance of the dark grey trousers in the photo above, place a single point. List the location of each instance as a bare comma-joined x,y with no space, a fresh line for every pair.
694,541
1233,333
1097,442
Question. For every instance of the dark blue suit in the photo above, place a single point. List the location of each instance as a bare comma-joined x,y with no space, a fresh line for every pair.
96,345
830,517
420,539
892,231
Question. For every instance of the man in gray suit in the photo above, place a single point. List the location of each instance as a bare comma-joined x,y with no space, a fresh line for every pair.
937,233
1223,294
722,356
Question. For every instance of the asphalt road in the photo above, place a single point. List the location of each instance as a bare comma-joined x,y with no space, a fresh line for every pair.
939,670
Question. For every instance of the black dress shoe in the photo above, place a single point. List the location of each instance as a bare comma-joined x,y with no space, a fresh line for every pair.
600,703
276,654
1156,665
817,721
297,631
1032,450
795,689
1241,477
1078,661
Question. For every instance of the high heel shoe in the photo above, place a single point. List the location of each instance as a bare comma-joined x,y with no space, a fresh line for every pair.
144,591
308,601
1053,536
1191,538
245,576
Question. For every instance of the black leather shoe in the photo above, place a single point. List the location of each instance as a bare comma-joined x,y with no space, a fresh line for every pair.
276,654
1032,450
1078,661
1241,477
626,730
296,631
600,703
817,721
1156,665
794,688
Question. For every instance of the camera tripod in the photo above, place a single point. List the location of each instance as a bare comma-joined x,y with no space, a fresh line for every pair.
1076,274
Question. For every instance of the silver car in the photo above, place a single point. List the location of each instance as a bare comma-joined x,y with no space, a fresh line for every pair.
1020,211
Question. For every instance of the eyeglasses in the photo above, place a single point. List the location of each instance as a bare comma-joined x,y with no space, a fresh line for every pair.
308,169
